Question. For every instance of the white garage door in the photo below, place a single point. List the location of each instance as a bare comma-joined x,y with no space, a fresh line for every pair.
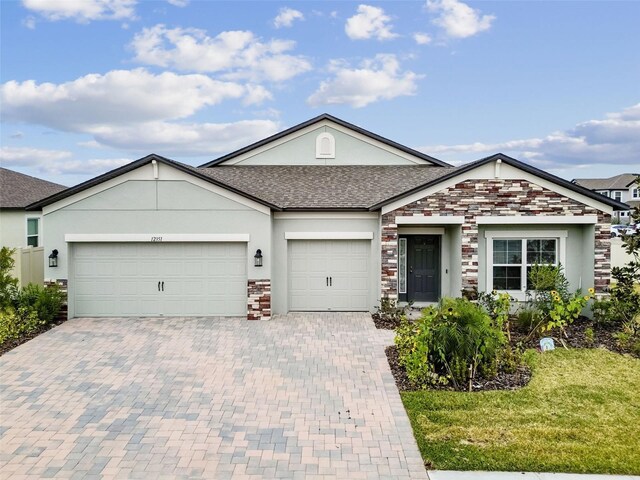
329,275
149,279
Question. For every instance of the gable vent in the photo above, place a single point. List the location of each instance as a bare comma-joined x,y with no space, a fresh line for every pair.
325,146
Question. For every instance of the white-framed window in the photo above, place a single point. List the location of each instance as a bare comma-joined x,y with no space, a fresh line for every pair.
33,232
617,195
510,256
325,146
402,265
635,192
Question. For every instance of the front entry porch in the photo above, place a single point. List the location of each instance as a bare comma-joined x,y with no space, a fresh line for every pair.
419,268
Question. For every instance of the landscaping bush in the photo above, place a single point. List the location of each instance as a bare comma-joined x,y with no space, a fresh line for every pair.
16,323
45,302
8,284
388,315
450,344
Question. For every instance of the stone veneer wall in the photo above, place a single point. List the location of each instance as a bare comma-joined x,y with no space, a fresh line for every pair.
259,299
475,198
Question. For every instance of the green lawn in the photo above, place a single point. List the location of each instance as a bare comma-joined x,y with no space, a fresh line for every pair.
580,413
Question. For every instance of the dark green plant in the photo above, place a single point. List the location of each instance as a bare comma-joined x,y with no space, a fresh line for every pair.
498,307
526,320
8,283
390,310
16,323
46,302
451,343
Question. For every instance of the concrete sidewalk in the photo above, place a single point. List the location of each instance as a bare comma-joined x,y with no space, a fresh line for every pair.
453,475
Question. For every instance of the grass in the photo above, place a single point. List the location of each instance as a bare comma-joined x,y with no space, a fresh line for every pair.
580,413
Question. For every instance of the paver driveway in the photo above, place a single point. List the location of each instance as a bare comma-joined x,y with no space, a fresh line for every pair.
301,396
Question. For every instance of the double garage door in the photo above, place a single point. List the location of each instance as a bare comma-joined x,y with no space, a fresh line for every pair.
329,275
151,279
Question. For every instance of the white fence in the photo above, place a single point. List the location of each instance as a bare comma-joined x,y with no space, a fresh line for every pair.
29,265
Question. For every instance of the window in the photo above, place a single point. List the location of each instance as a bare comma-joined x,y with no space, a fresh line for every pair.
512,259
402,265
605,193
32,231
617,196
635,192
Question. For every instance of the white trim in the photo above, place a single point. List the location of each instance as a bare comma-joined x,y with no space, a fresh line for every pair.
402,265
421,231
328,235
324,215
486,172
429,220
156,237
537,220
526,234
146,172
325,124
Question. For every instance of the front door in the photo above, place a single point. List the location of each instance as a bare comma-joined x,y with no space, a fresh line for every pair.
423,268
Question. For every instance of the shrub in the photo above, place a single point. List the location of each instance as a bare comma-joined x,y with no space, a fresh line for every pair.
8,283
14,324
563,312
527,320
45,302
450,344
498,307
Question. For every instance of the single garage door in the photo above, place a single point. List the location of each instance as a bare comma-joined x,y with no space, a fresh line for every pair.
150,279
329,275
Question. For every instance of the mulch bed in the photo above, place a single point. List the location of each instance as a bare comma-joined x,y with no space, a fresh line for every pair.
574,336
385,322
503,381
13,343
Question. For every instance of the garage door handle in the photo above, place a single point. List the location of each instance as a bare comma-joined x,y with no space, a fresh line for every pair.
158,286
330,281
327,280
163,286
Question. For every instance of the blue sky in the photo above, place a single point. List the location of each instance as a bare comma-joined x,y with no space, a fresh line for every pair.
88,85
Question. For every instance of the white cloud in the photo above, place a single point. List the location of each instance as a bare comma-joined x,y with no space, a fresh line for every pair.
231,54
376,79
28,157
458,19
120,97
82,11
184,139
422,38
286,17
178,3
369,22
613,140
55,162
29,22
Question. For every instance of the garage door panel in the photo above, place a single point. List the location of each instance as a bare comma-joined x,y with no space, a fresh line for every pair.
311,262
122,279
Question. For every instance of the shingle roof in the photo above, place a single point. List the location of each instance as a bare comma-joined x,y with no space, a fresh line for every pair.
325,187
18,190
619,182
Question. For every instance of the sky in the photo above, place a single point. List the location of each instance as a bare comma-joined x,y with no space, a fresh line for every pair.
89,85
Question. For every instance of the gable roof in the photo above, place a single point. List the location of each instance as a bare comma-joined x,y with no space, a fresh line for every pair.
517,164
321,187
18,190
132,166
619,182
319,118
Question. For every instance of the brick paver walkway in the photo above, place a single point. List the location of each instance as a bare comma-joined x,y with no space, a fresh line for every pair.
301,396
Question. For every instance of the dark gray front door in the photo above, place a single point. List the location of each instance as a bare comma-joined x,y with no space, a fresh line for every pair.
423,268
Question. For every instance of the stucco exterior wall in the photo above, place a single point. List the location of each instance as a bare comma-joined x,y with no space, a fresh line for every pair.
320,222
482,197
301,150
13,227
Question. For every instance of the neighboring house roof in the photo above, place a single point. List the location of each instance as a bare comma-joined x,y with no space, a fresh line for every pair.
619,182
132,166
353,187
517,164
319,118
18,190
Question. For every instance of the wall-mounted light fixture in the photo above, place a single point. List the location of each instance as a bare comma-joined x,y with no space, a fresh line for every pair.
257,258
53,258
